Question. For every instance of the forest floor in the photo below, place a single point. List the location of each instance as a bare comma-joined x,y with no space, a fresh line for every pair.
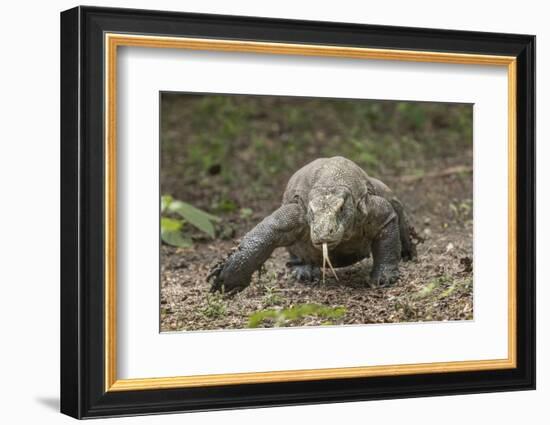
438,286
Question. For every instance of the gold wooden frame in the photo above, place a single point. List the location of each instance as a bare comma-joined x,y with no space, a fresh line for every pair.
113,41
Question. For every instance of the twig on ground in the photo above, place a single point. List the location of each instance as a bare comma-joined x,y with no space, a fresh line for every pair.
457,169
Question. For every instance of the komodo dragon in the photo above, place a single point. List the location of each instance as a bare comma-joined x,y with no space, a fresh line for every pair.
332,211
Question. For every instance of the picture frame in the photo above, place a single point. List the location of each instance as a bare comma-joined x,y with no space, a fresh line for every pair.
90,40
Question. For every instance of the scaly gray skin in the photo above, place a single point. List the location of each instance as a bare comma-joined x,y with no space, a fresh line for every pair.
333,201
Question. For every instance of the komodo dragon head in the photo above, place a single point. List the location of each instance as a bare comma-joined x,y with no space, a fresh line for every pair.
330,215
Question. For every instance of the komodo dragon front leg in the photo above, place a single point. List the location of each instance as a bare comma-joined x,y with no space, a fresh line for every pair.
282,228
383,221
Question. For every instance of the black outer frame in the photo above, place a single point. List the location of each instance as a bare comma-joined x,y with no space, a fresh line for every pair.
82,214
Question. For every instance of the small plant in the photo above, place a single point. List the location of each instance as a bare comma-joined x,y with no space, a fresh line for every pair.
285,316
271,297
461,211
245,213
225,205
431,286
176,214
215,306
460,285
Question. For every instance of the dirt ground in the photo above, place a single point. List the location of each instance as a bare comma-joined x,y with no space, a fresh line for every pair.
436,287
232,155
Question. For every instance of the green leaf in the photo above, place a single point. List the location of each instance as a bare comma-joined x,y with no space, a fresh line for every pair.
257,318
198,218
170,224
294,313
165,202
176,239
176,206
170,233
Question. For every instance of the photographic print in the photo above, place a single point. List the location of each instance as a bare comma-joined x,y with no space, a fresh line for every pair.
314,210
292,211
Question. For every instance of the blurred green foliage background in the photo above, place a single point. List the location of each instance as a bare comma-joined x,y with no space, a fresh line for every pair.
235,153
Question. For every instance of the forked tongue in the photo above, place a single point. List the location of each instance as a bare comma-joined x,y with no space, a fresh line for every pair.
326,260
